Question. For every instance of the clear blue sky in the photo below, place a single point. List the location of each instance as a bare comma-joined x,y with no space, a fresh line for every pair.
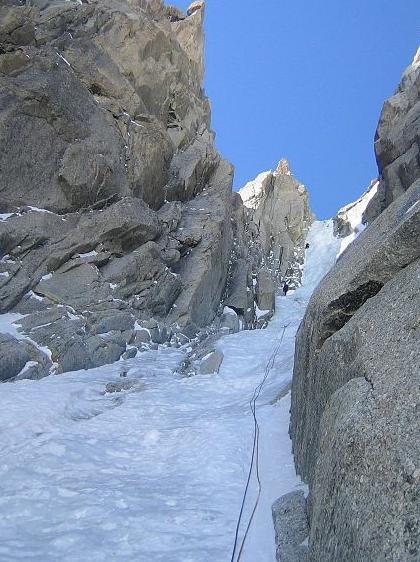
306,80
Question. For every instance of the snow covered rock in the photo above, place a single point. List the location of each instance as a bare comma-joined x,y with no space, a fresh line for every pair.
119,386
278,218
117,204
211,363
13,357
350,220
21,359
229,320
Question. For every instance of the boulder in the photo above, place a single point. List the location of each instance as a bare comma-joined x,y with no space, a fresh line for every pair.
130,353
229,320
13,357
127,224
141,336
104,350
291,527
211,363
77,287
74,355
119,386
111,320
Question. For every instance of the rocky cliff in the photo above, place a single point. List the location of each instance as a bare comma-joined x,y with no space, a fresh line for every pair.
277,218
116,206
118,226
356,384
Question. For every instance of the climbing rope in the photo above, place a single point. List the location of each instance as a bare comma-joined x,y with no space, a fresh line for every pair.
255,455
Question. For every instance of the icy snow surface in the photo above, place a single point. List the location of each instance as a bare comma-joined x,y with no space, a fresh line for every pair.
252,192
354,215
155,473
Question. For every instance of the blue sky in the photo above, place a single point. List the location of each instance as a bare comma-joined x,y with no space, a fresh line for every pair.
306,80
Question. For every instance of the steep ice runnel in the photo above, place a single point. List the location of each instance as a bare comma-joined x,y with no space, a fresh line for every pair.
155,473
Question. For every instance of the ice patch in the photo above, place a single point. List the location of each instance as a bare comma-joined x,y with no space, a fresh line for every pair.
38,210
63,59
33,295
5,216
229,311
412,207
252,192
88,254
260,313
8,324
26,368
353,213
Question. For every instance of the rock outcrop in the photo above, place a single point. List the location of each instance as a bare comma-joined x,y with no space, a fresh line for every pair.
351,220
118,226
397,144
356,385
277,219
291,527
115,205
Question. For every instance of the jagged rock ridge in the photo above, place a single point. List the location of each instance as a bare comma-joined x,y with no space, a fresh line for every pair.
277,219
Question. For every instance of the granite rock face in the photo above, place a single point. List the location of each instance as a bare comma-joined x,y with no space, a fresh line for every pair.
270,220
278,217
397,144
118,225
291,527
356,384
115,206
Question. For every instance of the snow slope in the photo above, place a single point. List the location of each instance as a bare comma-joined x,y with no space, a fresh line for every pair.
353,214
155,473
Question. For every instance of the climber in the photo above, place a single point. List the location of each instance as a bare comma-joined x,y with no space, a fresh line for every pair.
285,289
307,245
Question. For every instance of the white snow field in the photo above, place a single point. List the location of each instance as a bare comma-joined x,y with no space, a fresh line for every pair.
156,473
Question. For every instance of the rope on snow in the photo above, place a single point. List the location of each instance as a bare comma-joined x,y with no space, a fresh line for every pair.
255,454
